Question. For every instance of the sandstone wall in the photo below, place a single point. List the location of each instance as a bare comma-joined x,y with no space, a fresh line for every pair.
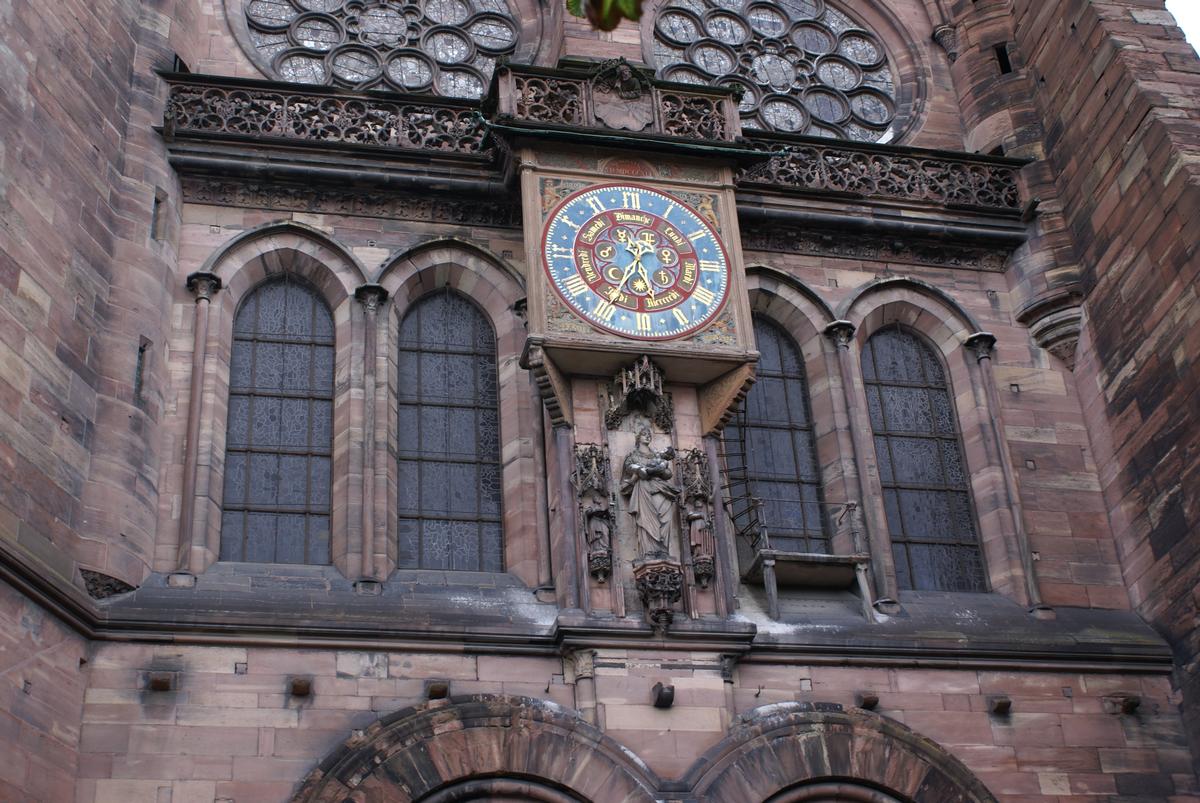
43,673
1117,88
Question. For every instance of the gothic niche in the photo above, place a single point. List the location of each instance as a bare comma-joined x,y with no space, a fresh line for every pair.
639,389
696,512
592,479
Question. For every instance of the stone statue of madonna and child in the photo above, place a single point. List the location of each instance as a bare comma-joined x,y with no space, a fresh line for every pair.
646,481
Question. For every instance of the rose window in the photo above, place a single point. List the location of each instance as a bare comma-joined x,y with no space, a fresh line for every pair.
446,47
803,67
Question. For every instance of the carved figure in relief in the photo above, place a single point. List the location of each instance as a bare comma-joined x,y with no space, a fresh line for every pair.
645,480
595,507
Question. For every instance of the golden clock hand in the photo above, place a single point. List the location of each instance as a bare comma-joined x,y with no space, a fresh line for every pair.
646,278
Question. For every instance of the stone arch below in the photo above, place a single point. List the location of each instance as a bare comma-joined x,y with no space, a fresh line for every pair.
480,747
500,748
792,752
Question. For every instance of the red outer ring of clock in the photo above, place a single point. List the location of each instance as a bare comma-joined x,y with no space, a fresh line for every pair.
633,185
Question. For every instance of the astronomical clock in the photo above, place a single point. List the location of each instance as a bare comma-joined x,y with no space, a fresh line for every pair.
638,322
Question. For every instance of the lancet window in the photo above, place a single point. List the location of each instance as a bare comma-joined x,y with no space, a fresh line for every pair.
275,506
449,438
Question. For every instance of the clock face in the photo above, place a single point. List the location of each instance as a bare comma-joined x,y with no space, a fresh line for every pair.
635,261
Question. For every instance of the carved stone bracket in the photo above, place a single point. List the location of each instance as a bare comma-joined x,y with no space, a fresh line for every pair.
597,508
841,333
203,285
551,384
371,296
696,512
639,389
1055,320
660,584
947,37
981,344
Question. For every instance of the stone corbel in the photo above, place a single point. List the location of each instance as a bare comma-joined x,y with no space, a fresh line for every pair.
1055,319
720,398
947,37
552,386
660,584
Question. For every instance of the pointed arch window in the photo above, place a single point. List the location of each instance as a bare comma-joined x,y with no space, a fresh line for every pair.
781,466
275,508
449,438
919,449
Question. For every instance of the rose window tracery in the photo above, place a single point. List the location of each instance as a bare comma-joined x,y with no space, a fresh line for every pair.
445,47
803,66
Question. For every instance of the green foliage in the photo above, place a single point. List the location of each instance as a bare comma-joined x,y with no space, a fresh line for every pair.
605,14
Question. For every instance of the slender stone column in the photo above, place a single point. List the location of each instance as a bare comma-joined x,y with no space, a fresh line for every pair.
982,344
192,546
584,663
371,296
842,335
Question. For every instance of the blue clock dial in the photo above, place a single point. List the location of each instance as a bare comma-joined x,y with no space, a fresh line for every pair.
635,261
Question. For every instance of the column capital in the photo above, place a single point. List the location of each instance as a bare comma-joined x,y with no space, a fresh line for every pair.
841,333
371,295
203,285
982,343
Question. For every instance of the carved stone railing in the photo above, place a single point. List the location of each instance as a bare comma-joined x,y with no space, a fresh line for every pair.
264,110
875,171
614,96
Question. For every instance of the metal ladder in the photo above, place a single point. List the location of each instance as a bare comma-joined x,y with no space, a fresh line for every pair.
743,507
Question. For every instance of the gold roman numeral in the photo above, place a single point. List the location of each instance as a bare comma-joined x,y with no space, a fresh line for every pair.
631,200
680,316
697,234
604,311
703,295
594,204
643,321
567,221
575,284
710,266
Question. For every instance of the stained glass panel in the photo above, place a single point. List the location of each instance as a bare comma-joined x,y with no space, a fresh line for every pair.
449,439
780,454
279,436
925,494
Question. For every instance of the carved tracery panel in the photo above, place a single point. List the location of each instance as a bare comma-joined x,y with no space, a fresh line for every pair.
804,67
445,47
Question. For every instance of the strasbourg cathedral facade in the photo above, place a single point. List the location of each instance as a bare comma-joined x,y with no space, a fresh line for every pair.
445,400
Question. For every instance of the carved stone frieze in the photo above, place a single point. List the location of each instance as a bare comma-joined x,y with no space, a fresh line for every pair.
592,479
212,107
693,116
871,174
794,240
614,95
550,100
359,203
639,388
